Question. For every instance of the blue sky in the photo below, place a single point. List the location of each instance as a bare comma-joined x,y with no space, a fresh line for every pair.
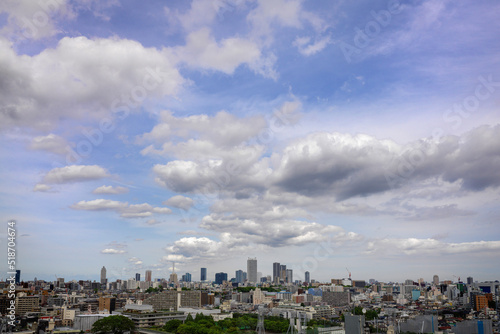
318,134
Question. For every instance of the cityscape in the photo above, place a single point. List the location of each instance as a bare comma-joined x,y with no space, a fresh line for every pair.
342,305
249,166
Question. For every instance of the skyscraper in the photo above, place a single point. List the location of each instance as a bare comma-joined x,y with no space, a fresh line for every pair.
240,276
289,276
470,280
148,275
203,274
435,280
283,271
18,276
276,272
252,270
137,277
307,277
186,277
103,275
220,277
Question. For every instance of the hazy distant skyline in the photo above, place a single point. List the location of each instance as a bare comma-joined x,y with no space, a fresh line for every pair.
321,135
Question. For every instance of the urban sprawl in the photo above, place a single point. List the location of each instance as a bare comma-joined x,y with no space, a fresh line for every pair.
342,305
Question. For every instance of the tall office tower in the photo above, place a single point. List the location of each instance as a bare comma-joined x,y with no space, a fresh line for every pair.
252,270
470,280
289,276
137,277
240,276
203,274
307,277
103,275
188,277
148,275
283,272
220,277
18,276
276,272
435,280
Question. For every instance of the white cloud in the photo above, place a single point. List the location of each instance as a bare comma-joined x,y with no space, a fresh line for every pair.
283,12
42,187
32,19
51,143
202,51
81,77
222,129
191,247
308,48
99,204
123,208
415,246
179,201
113,251
202,13
75,173
110,190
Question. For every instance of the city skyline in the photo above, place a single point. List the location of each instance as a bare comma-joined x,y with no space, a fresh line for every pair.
331,137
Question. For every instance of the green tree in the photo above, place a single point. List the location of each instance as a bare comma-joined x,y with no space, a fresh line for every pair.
172,325
116,324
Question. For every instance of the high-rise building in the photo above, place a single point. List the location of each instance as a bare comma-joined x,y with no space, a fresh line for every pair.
252,270
137,277
307,278
187,277
148,275
220,277
18,276
103,275
240,276
470,280
203,274
173,278
289,276
276,271
435,280
283,272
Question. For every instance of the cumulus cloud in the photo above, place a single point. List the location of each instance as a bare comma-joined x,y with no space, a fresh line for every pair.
50,143
204,52
123,208
223,129
41,187
32,19
75,173
193,247
81,77
181,202
110,190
